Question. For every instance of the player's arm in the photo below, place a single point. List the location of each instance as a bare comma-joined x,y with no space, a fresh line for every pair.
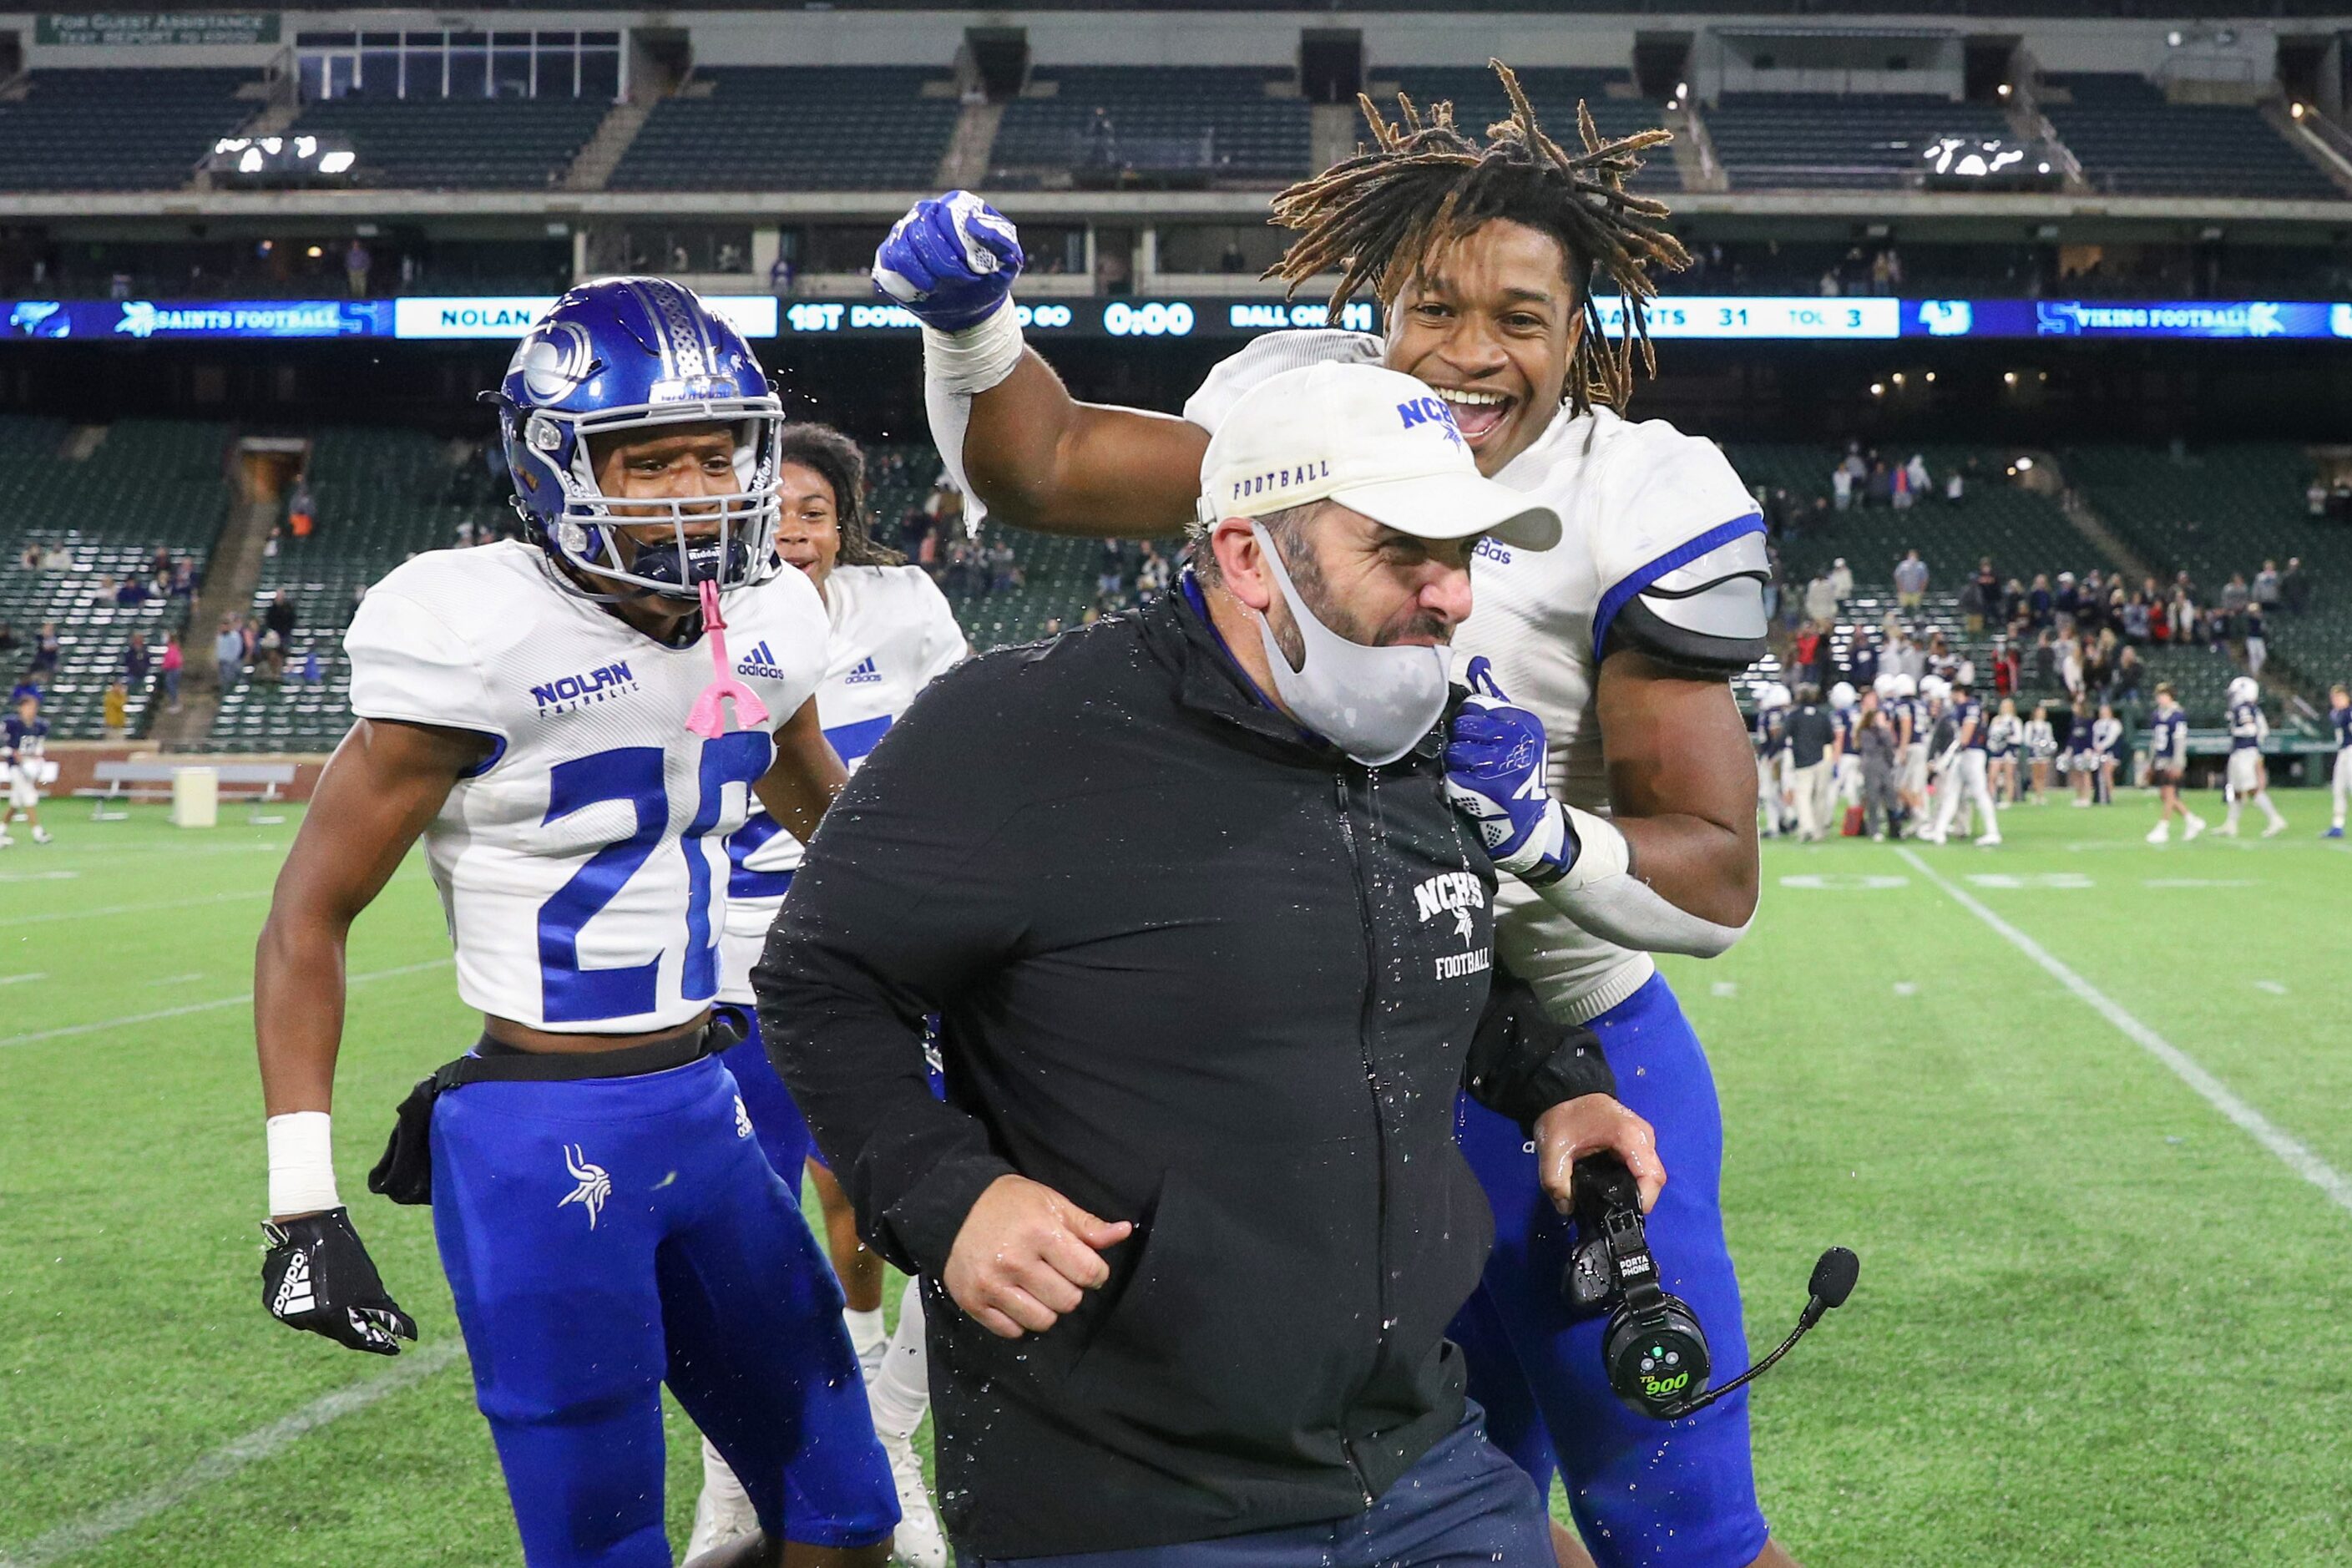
1039,458
378,791
1681,790
1008,430
804,776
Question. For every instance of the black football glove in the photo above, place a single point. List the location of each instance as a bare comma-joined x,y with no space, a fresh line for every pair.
318,1277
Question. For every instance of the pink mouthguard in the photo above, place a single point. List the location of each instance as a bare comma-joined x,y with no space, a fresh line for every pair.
708,719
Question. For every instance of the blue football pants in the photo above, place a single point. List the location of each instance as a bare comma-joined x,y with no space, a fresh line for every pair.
605,1236
1645,1493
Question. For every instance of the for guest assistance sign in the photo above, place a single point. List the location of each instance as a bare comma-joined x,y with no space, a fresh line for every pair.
147,28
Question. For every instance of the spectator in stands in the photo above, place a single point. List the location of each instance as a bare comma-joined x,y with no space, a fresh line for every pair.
228,651
2040,600
269,656
302,516
1840,581
138,664
280,618
2181,614
46,650
1842,488
2125,686
1110,576
1004,568
131,590
1151,573
2315,498
1942,662
1899,496
57,557
2258,646
30,558
106,587
1821,599
1954,488
114,711
184,578
2235,595
2005,671
2133,618
1915,473
1878,487
1910,581
2295,588
174,657
2266,586
311,673
1972,608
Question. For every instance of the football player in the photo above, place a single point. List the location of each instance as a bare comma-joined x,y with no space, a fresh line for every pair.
2168,759
1773,702
1845,706
2247,777
891,631
24,761
1483,257
1964,767
564,723
2339,714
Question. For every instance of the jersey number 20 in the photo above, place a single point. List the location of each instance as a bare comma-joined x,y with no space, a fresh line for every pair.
571,995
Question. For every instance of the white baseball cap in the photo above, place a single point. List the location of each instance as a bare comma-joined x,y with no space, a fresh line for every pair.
1376,441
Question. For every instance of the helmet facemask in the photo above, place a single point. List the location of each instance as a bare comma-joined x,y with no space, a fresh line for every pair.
728,539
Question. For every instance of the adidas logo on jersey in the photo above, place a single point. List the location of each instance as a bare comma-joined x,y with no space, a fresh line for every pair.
863,675
589,686
761,661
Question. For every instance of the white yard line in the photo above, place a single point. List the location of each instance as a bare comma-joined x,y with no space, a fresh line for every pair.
101,1025
79,1535
2289,1150
103,909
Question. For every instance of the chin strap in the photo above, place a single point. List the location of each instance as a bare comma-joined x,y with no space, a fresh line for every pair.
709,719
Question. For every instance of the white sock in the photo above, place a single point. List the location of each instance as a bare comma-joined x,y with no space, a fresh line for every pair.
867,1334
901,1391
2269,810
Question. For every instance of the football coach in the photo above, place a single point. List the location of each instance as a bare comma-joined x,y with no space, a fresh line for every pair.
1211,957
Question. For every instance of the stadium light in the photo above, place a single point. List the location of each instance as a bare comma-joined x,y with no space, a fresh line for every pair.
1931,378
2024,465
1896,378
2004,90
2009,378
2296,110
1877,389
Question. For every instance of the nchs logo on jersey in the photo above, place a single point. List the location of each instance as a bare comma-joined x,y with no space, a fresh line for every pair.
1455,893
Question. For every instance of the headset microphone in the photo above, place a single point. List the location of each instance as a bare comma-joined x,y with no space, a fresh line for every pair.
1655,1352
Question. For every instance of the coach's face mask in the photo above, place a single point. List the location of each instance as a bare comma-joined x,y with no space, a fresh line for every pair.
1373,703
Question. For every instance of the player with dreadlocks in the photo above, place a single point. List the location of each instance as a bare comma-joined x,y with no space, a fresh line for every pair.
1485,256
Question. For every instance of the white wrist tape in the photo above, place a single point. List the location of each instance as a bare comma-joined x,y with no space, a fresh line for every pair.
971,361
1600,895
301,1162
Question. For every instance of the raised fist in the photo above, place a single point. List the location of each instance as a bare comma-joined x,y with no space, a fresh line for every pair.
952,260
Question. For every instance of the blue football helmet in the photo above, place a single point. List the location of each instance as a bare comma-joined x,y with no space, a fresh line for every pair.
633,354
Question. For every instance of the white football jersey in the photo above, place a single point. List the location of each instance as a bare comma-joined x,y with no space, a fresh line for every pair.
1635,500
583,869
890,632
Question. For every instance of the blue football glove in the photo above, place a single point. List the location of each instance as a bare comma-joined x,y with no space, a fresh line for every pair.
952,260
1494,776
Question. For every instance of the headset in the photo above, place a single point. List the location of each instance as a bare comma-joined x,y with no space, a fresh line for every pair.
1653,1349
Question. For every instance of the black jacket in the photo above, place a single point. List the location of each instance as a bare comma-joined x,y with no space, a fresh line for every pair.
1194,969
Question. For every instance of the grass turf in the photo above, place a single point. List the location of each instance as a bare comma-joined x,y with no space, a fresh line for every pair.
2098,1323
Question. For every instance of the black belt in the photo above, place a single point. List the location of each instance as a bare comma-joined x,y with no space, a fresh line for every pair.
404,1173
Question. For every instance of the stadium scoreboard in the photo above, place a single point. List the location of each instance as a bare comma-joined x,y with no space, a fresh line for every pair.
1756,318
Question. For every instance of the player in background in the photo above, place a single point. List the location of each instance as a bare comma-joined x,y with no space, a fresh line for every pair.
2339,714
2168,759
2003,737
2040,749
563,722
1771,744
1845,707
2107,745
1621,640
1911,733
1964,767
24,758
2247,777
889,633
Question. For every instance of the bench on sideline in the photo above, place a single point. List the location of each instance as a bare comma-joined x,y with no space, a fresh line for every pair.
137,781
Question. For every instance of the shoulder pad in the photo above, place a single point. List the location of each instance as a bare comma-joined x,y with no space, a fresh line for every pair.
1271,356
1705,616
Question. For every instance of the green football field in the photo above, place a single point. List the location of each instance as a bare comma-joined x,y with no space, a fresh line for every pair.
2081,1105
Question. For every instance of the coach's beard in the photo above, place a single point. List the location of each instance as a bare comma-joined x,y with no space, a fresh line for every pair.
1373,703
